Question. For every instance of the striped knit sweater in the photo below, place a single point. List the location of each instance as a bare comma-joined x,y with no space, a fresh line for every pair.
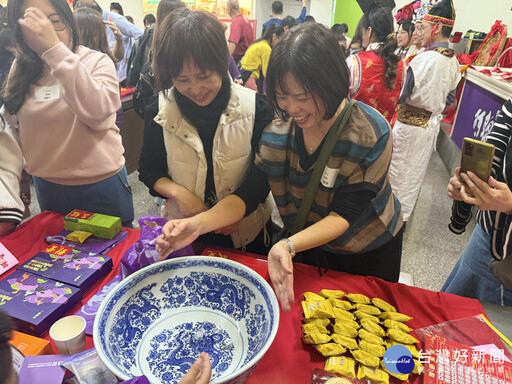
361,156
496,224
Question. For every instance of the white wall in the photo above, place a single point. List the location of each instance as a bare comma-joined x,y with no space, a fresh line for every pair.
477,14
321,10
131,8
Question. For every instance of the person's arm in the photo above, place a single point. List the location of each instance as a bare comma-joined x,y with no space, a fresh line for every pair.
91,93
11,166
177,234
99,84
127,29
303,13
280,265
408,86
231,47
351,64
118,51
235,34
265,57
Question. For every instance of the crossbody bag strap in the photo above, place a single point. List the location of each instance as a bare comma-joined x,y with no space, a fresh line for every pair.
326,151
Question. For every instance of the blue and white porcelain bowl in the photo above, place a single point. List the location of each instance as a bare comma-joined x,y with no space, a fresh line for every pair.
158,320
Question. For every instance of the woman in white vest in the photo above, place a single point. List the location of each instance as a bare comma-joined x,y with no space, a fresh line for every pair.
200,138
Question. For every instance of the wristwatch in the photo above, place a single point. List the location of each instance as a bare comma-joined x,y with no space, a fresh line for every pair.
291,246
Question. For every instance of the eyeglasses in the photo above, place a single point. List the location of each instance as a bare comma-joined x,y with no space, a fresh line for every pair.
58,23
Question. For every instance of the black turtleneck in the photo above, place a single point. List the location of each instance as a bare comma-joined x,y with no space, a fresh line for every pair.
205,120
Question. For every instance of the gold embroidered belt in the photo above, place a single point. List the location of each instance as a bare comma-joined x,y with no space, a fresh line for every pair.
410,115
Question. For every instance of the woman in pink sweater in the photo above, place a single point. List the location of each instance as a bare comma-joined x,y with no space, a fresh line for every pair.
65,97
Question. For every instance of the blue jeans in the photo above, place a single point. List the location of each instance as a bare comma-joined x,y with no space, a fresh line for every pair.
471,276
112,196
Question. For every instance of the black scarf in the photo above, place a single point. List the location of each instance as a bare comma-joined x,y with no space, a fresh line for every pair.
205,120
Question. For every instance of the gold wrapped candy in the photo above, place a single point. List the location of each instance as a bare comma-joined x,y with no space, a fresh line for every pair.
330,349
395,316
357,298
369,309
317,309
373,349
341,365
374,374
362,315
343,314
370,337
401,337
388,323
383,305
371,327
314,328
316,338
329,293
348,323
344,330
322,322
342,304
365,358
347,342
310,296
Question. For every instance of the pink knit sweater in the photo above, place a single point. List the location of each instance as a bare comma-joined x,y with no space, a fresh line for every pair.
67,124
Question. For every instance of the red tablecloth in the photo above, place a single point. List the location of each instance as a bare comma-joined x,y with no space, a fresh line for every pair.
288,360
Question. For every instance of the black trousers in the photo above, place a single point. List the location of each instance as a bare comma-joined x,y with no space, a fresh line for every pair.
383,262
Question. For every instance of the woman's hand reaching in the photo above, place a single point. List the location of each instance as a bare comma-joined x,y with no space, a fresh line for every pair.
177,234
280,268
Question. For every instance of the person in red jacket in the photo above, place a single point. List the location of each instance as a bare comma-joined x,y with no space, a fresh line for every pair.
241,34
377,72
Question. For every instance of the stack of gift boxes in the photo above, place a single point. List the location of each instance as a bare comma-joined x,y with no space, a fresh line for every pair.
51,283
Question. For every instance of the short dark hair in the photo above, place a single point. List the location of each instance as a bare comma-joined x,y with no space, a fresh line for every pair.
344,26
149,19
289,21
6,328
186,34
309,19
311,54
277,7
407,26
338,31
117,7
165,7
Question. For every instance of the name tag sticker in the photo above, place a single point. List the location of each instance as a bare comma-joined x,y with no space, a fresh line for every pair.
329,177
46,93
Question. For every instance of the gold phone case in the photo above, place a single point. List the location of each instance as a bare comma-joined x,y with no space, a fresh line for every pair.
477,157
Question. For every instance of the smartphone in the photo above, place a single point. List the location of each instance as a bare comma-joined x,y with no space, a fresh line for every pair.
476,157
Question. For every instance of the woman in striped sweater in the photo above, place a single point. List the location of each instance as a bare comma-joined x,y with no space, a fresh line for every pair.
484,270
354,224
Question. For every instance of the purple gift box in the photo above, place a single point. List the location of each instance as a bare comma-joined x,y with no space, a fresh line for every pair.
44,369
35,303
91,244
67,265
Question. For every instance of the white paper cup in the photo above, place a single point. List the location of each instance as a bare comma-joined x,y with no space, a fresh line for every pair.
68,334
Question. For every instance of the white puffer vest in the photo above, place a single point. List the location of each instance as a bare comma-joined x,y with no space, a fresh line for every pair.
232,156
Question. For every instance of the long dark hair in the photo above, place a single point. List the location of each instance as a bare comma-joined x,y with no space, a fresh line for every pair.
311,54
381,22
165,7
91,30
269,32
186,34
28,66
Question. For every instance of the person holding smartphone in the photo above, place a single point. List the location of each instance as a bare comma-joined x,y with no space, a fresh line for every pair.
484,270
